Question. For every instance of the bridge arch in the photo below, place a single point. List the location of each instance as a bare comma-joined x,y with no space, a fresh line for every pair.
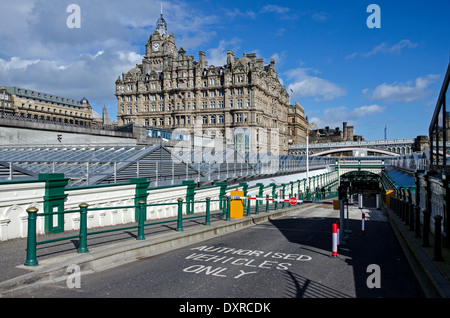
357,151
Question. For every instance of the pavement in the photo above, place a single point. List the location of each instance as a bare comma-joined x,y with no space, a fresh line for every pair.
112,249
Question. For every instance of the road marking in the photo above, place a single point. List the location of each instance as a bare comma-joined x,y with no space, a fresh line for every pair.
252,261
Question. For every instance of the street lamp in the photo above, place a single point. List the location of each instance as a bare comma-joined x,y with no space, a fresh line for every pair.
308,128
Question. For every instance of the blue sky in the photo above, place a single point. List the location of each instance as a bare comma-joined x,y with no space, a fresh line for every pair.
337,68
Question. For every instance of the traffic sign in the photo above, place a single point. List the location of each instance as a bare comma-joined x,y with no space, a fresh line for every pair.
293,201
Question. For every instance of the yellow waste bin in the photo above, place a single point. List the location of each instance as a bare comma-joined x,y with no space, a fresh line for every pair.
336,205
236,205
389,194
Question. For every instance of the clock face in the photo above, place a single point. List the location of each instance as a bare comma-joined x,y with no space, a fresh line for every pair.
156,47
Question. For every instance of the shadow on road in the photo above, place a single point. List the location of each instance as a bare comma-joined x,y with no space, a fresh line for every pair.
378,245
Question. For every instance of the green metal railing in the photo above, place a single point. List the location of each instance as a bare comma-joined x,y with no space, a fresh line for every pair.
32,243
83,233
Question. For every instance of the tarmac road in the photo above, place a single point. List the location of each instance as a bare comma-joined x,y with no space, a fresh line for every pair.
288,257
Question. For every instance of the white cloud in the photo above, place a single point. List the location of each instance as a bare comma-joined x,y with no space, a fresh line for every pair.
335,116
89,75
15,63
240,14
40,52
320,16
218,56
386,49
305,85
275,9
395,49
365,111
403,92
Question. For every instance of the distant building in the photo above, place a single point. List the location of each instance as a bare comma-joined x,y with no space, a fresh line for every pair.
29,104
297,124
334,135
242,102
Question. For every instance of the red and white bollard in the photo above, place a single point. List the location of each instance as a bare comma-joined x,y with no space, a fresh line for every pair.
363,231
334,241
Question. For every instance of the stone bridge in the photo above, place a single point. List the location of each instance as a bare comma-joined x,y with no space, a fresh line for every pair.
390,147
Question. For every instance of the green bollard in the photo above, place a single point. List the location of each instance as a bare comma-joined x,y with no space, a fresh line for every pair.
83,228
228,208
248,207
180,215
267,203
141,220
208,211
257,206
31,238
224,206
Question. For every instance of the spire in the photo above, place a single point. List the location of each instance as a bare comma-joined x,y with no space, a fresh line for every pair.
161,25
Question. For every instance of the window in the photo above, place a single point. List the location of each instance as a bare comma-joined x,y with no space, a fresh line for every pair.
212,120
205,119
221,119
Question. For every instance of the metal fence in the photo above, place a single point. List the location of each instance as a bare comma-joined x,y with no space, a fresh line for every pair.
223,214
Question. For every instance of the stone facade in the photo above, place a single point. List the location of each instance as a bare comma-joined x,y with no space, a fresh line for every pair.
23,103
297,123
326,134
242,102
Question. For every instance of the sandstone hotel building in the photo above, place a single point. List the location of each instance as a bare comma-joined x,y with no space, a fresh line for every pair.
242,102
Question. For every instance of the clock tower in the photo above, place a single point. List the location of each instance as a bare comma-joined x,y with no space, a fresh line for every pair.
160,47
